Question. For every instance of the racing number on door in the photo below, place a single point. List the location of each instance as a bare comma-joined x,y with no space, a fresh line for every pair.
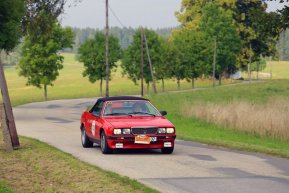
93,128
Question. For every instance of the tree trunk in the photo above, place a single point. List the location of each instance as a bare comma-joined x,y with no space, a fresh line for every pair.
6,133
148,88
220,80
100,87
163,85
179,84
45,92
193,82
10,123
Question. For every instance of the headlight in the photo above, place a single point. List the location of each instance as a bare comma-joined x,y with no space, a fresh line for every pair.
117,131
170,130
162,130
126,131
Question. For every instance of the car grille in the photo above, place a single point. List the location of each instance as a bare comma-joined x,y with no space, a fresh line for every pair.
139,131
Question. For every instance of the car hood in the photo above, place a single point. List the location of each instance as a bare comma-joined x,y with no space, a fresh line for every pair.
128,122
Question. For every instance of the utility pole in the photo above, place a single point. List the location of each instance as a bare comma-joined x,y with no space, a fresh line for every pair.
107,50
142,62
8,117
214,62
151,66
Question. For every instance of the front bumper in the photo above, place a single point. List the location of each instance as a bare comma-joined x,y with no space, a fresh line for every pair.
128,142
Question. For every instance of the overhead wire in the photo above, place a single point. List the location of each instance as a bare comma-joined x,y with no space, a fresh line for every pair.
117,18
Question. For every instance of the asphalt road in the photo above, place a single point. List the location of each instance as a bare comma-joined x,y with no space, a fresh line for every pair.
192,167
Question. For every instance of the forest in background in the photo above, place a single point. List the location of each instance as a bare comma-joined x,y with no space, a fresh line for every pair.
283,46
125,36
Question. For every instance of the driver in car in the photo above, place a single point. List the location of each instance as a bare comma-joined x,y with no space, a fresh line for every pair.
139,108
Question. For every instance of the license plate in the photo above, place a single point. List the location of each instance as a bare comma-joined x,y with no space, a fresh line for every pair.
142,139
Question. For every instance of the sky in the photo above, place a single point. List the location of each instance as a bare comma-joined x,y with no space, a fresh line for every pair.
130,13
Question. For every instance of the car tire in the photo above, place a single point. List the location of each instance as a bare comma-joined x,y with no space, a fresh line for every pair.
103,144
167,150
86,143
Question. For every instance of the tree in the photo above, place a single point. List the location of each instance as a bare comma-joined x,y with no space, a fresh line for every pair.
258,65
41,61
132,56
40,16
92,54
11,12
10,23
172,60
259,30
284,17
195,52
191,11
217,23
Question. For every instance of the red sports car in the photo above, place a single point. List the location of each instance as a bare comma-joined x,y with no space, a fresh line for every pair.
126,123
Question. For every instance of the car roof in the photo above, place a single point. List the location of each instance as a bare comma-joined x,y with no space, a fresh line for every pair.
121,98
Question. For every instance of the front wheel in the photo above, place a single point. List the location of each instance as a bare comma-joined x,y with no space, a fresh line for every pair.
103,144
85,140
167,150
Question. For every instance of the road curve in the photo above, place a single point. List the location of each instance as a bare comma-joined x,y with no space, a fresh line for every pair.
192,167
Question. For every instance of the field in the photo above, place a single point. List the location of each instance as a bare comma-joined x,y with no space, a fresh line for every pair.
252,117
198,128
71,84
280,70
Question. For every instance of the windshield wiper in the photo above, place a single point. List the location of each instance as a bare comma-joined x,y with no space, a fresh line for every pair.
137,113
115,114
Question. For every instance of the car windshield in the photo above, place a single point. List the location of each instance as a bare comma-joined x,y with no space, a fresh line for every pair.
130,108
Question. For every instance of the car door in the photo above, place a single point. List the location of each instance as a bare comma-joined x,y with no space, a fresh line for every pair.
94,123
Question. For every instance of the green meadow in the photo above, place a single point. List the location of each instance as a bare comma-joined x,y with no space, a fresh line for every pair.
71,84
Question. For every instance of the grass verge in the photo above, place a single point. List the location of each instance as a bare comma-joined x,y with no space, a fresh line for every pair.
191,128
4,188
38,167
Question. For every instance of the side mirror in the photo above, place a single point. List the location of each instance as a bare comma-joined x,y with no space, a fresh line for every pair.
163,113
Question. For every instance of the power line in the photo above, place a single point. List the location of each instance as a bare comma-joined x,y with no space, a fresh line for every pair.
117,18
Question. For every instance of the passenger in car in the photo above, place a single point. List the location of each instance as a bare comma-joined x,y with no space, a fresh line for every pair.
108,109
138,108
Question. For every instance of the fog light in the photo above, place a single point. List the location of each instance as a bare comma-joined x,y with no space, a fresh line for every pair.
167,144
170,130
117,131
161,130
126,131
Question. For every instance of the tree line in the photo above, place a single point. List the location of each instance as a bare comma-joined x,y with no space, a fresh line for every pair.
124,35
283,46
229,35
226,34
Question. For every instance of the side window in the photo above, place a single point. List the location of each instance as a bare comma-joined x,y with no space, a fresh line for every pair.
97,109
